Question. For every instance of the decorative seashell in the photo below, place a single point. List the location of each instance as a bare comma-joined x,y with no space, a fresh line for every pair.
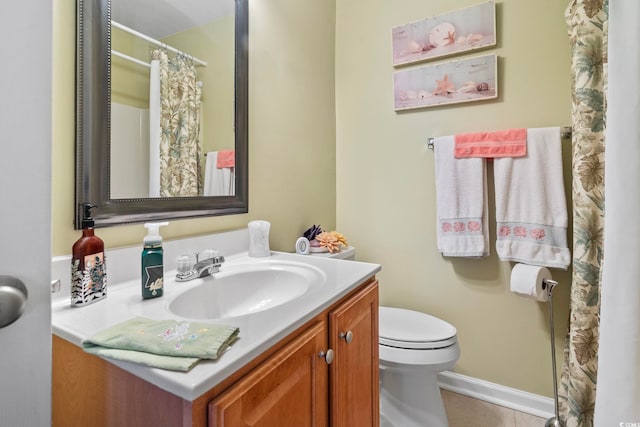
461,39
468,87
411,94
442,34
423,94
473,38
483,87
414,47
444,87
427,47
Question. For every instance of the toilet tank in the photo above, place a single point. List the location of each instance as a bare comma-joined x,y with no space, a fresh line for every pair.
348,253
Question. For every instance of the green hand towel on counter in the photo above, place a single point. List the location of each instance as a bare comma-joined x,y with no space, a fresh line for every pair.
167,344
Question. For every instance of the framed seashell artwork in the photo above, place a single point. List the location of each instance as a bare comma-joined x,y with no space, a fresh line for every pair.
462,80
462,30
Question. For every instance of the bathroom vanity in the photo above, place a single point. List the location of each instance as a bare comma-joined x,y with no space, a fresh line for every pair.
310,361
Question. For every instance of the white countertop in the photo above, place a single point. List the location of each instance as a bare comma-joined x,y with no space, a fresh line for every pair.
258,332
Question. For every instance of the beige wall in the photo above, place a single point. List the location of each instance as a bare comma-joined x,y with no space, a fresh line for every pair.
291,127
385,178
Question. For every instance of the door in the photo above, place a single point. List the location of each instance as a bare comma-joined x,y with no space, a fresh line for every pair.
288,389
354,373
25,208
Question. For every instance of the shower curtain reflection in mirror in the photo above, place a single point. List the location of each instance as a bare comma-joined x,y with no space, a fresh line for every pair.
157,146
172,87
180,149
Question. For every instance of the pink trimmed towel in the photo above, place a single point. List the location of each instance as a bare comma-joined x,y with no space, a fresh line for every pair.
226,159
531,208
505,143
461,203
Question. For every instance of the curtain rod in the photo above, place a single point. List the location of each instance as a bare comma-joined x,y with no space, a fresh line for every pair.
565,132
130,58
157,42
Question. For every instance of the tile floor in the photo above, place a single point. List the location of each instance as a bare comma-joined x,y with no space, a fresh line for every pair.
464,411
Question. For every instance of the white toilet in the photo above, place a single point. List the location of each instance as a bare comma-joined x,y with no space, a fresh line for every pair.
414,347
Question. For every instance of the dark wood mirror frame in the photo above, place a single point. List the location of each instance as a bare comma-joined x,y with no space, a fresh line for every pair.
93,112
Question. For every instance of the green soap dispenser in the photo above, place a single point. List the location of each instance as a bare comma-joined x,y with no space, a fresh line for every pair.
152,265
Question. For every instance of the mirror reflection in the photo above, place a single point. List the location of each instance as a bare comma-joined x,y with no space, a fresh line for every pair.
213,51
172,99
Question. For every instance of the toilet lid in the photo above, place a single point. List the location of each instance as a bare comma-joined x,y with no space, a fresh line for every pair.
411,329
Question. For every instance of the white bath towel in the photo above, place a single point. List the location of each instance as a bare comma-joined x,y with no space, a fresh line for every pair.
531,208
218,181
461,202
154,128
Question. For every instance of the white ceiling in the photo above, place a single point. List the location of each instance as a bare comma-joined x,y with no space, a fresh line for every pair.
161,18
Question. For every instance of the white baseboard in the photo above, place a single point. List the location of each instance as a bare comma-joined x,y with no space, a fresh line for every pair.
497,394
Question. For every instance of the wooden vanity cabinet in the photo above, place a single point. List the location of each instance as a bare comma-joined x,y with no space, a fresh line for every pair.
291,388
291,384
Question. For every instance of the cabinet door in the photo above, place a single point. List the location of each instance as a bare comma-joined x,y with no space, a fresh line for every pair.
290,389
354,374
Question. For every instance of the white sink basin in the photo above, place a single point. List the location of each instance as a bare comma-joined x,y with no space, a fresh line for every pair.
242,290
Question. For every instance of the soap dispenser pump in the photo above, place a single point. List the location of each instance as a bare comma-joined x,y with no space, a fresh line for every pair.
152,264
88,267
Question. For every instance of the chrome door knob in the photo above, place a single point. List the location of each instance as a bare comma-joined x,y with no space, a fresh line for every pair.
347,336
328,356
13,300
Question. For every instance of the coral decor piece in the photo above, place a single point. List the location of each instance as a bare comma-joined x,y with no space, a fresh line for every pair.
333,241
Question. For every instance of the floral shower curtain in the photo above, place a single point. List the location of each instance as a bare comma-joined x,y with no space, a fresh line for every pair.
180,146
587,20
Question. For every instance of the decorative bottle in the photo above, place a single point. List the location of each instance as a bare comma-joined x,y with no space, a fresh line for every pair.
88,267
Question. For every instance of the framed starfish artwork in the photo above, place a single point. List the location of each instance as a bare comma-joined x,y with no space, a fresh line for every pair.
462,80
453,32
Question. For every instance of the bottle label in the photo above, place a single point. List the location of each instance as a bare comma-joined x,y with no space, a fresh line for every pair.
154,279
88,284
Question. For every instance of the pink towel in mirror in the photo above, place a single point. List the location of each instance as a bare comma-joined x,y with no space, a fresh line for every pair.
226,159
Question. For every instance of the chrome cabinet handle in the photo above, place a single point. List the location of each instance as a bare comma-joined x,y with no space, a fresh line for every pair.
347,336
13,300
328,356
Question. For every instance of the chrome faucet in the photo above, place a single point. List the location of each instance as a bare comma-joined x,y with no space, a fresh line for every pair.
210,264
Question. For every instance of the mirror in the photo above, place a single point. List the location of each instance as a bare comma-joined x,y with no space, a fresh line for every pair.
134,178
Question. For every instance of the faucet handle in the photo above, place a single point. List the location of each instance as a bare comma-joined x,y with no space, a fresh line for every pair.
208,253
186,267
186,263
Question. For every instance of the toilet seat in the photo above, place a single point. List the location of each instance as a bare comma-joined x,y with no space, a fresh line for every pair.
400,328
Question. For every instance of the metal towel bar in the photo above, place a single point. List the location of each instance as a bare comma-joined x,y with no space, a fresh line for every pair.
565,133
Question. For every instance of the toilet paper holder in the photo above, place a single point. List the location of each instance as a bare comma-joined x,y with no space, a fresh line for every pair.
549,285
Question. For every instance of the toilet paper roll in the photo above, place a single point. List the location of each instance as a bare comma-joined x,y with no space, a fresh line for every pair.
528,281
